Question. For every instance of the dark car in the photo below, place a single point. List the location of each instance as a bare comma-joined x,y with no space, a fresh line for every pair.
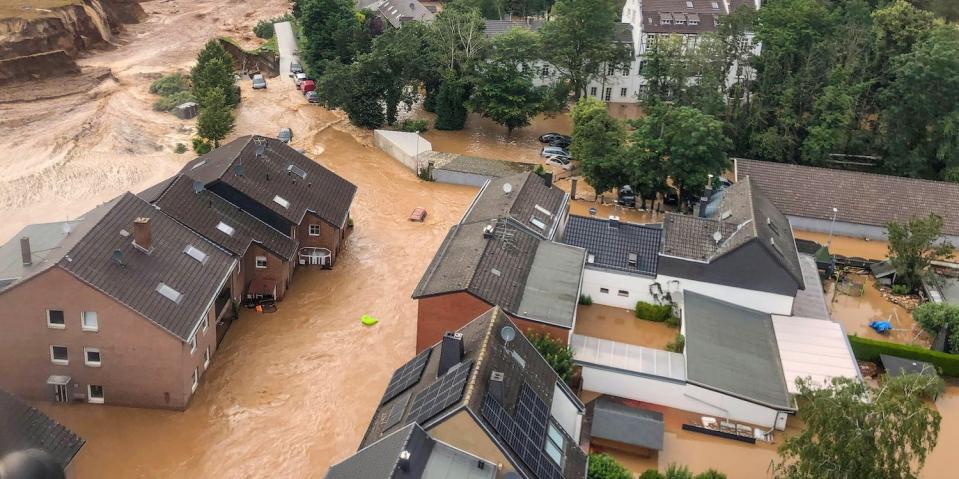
285,135
295,68
626,197
551,137
312,97
561,142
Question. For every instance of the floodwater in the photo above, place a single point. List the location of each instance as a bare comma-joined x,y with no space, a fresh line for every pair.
856,312
486,139
848,246
618,324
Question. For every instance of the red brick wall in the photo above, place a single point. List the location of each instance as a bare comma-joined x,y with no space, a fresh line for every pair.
330,236
448,312
276,269
558,333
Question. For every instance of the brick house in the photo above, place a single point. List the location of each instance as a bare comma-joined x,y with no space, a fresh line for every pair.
118,307
282,188
24,427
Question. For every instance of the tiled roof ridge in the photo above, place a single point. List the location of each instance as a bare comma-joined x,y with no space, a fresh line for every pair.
851,172
480,356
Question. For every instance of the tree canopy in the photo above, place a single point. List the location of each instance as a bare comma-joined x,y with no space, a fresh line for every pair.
598,141
216,118
214,71
913,246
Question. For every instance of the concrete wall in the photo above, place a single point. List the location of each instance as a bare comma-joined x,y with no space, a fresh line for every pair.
637,288
141,364
459,178
757,300
402,146
685,396
841,228
461,431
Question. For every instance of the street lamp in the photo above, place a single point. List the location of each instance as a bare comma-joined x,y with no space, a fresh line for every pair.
835,211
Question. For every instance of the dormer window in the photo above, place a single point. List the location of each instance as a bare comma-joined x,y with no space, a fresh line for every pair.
296,170
169,293
195,253
715,5
281,201
225,228
689,4
537,222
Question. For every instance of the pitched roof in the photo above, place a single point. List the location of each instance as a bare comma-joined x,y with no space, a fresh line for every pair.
616,421
506,268
733,350
529,202
524,372
622,32
861,198
136,282
702,12
609,244
398,12
742,214
24,427
272,175
206,213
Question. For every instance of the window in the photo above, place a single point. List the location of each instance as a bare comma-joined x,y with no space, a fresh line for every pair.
611,70
206,357
604,290
543,210
58,355
195,253
281,201
261,262
91,357
609,94
715,5
632,259
95,393
196,379
169,293
537,222
622,92
225,228
626,70
689,4
624,293
206,323
554,444
592,91
314,230
55,319
642,66
193,344
545,71
296,170
88,321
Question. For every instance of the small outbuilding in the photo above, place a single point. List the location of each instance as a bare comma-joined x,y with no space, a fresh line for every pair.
185,111
897,366
615,424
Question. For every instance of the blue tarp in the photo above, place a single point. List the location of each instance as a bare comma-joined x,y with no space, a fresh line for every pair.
881,326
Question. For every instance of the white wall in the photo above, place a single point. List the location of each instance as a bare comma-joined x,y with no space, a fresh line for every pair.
757,300
685,396
636,286
403,147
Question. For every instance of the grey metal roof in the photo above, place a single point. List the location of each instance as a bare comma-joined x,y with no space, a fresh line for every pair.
262,178
551,291
733,349
203,210
24,427
499,27
135,283
520,363
609,243
529,197
615,421
897,366
811,301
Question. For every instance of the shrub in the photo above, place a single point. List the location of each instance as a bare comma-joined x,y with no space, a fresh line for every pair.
264,28
934,316
711,474
653,312
169,84
678,472
201,146
604,466
901,289
169,102
585,299
870,349
414,126
180,149
652,474
678,344
558,355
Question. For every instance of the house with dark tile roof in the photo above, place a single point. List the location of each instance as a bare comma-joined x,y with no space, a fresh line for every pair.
864,202
483,390
23,427
527,198
121,306
283,188
499,263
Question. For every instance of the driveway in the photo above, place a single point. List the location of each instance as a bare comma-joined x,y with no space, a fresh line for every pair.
286,43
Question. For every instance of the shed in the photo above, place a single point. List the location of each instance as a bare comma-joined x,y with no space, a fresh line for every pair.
185,111
817,349
618,425
884,271
897,366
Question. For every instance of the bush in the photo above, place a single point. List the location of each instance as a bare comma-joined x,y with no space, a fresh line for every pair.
678,344
201,146
169,85
901,289
180,149
558,355
678,472
604,466
934,316
711,474
870,349
414,126
169,102
653,312
652,474
264,28
585,299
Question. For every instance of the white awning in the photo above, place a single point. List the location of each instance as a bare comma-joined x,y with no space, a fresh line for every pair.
814,348
628,357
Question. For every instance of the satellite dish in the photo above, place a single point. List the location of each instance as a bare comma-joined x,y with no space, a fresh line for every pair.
507,188
507,333
717,236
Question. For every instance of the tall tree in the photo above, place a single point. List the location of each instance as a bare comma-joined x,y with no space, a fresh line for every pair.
458,39
598,141
851,431
328,31
401,59
363,99
451,104
216,118
579,41
914,245
214,70
504,90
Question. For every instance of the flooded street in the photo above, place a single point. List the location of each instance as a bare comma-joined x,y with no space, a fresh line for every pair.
486,139
847,246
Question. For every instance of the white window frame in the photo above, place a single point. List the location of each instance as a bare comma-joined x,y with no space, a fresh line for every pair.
196,379
86,357
206,323
83,321
592,91
225,228
95,400
604,290
193,344
622,92
55,325
257,260
624,293
206,358
281,201
318,230
61,362
551,442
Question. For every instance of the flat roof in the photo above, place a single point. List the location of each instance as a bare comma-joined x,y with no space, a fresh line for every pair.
551,292
813,348
615,421
896,366
628,357
811,301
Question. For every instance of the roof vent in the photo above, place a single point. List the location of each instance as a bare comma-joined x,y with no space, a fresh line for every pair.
717,237
118,258
404,461
496,386
451,352
25,251
488,231
507,188
590,259
124,233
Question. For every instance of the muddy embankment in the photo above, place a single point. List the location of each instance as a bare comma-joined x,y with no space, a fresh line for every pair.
244,61
46,41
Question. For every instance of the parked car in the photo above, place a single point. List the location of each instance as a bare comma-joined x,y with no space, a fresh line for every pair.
285,135
561,142
626,197
307,86
259,82
555,151
295,68
560,161
312,97
298,78
550,137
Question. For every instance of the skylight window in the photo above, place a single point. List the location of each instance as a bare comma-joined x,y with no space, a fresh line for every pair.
225,228
689,4
715,5
281,201
169,293
296,170
199,164
537,222
543,210
195,253
632,259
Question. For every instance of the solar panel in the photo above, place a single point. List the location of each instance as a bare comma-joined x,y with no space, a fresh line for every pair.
406,376
443,393
396,412
525,432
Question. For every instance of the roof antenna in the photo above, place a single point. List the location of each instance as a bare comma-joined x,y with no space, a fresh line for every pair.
260,146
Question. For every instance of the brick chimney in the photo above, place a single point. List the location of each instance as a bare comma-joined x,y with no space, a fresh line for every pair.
25,251
142,237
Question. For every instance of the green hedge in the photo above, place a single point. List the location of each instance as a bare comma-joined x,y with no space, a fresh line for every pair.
870,349
653,312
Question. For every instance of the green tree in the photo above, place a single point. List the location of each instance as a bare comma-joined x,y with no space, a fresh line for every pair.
914,245
328,31
598,143
362,101
935,316
458,39
400,59
451,105
558,355
216,118
579,41
851,431
504,90
214,71
604,466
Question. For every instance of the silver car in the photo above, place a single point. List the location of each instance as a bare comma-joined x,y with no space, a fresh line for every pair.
259,82
555,151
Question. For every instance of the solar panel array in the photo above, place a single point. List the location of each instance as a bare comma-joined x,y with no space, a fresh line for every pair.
406,376
396,412
524,432
443,393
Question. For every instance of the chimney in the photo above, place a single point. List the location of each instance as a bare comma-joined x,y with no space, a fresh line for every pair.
451,352
488,231
141,234
548,179
25,251
404,461
496,387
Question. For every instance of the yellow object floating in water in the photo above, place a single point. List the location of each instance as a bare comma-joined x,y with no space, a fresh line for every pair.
368,320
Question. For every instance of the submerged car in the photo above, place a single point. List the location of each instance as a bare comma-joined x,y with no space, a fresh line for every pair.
560,162
312,97
551,137
259,82
555,151
285,135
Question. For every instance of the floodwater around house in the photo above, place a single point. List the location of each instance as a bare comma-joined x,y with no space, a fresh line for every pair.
484,138
618,324
855,312
848,246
